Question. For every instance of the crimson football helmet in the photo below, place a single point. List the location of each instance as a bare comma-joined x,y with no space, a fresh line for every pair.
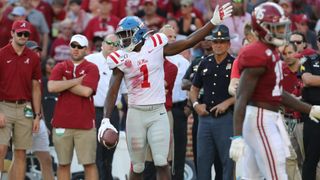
270,23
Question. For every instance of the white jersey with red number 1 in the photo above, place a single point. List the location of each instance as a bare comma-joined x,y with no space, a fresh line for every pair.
143,71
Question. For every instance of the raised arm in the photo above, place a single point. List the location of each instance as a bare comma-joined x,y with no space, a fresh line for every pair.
218,16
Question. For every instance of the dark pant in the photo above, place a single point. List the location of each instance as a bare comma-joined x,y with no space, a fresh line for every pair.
214,140
311,134
180,139
104,156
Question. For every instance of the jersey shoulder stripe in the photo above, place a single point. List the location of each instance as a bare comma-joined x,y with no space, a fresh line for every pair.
115,57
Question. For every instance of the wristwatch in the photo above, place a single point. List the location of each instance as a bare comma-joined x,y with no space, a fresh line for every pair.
38,114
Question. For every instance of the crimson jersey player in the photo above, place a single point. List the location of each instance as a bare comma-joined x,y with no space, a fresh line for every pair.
260,135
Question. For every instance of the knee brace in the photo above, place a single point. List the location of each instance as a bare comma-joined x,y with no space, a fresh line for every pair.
138,167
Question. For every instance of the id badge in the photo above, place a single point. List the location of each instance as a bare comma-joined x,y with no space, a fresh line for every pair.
60,131
28,113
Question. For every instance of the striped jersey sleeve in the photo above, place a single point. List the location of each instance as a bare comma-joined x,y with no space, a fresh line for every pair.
158,40
115,59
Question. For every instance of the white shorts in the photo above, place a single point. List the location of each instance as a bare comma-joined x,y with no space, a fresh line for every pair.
147,125
40,140
265,155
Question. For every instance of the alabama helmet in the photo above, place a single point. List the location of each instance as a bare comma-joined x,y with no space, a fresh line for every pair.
270,24
131,31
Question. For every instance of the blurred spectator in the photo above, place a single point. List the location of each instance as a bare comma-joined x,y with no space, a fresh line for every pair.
19,13
174,24
48,99
78,16
287,7
301,7
301,22
188,22
150,17
118,7
46,10
103,24
5,24
40,140
236,25
132,7
175,10
37,19
251,4
58,10
60,50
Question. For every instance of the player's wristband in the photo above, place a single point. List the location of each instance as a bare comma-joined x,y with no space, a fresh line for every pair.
194,104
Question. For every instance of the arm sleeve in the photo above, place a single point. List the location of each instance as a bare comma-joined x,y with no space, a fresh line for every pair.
57,72
235,73
251,59
197,80
36,75
115,59
306,67
92,78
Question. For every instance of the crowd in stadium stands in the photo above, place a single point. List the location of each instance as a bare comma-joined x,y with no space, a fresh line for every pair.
54,22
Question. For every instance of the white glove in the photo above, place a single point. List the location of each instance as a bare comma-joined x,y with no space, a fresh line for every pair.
236,148
105,124
315,114
222,13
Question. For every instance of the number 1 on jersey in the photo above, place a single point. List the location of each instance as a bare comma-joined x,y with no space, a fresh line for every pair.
144,70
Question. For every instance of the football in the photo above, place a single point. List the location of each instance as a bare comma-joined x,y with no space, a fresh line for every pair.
109,138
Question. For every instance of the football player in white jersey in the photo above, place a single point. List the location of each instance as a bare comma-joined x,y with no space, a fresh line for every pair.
140,63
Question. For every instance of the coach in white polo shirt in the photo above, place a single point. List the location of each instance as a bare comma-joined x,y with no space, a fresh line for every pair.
104,155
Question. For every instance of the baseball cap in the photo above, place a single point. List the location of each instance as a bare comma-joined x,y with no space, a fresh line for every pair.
20,26
33,45
18,11
80,39
220,32
301,18
186,2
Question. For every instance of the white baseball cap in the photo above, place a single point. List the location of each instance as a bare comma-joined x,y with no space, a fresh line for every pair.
80,39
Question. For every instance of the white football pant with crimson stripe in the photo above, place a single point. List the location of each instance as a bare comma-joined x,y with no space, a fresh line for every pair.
264,156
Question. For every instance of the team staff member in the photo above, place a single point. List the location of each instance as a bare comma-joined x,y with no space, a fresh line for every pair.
310,94
179,101
215,114
20,77
104,155
293,85
186,85
74,116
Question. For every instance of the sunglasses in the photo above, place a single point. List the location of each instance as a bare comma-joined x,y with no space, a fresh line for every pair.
296,42
25,34
111,43
73,46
